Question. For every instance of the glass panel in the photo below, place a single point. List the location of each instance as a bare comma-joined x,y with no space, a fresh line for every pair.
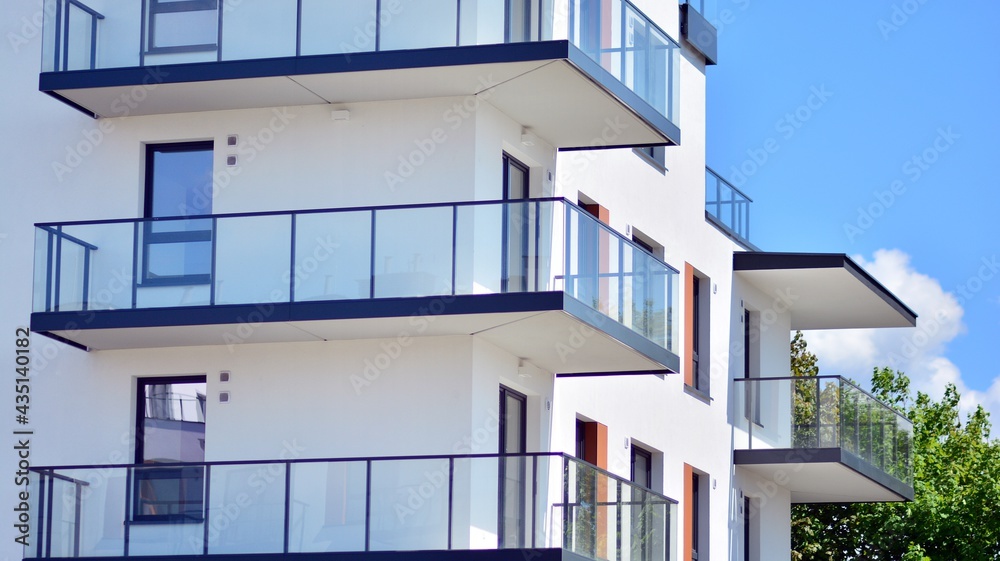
420,24
479,249
327,507
80,39
110,264
253,256
409,505
242,37
178,259
520,242
185,29
49,47
247,509
333,256
174,425
182,182
482,22
475,503
408,265
338,26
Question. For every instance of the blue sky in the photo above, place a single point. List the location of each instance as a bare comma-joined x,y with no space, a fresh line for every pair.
855,100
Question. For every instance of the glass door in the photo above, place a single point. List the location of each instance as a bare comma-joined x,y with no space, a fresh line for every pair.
518,271
512,469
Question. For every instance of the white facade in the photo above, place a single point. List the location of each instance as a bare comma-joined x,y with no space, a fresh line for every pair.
412,385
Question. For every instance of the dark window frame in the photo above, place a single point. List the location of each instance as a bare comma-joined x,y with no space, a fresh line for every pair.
145,473
648,456
695,514
150,238
655,156
520,465
156,7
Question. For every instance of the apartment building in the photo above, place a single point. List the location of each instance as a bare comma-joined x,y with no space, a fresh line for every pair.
408,279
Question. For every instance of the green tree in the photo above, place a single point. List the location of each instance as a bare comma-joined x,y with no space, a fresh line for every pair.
955,514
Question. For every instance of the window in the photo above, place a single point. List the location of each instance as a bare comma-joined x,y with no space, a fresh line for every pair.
696,495
644,529
177,26
697,332
512,469
656,156
642,467
178,184
518,275
170,428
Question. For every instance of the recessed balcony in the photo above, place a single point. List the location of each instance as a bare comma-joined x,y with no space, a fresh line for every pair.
541,278
577,73
478,507
824,439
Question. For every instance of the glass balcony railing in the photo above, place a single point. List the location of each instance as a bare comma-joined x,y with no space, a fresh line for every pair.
707,8
542,500
536,245
727,206
112,34
823,412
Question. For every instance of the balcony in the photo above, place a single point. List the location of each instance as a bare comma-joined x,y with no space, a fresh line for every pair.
578,73
450,505
824,439
537,277
727,208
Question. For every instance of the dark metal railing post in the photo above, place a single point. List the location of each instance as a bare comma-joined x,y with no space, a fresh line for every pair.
618,520
41,514
77,512
49,266
207,505
212,288
48,522
58,288
451,495
135,261
368,504
291,258
371,271
128,511
454,249
567,529
288,504
819,403
534,499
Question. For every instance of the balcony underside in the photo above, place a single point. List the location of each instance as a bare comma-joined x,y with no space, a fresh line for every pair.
513,554
823,291
550,329
551,88
823,475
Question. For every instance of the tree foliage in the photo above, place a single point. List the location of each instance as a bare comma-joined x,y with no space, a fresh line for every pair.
955,514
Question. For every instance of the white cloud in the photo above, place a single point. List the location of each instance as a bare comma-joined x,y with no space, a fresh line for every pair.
919,352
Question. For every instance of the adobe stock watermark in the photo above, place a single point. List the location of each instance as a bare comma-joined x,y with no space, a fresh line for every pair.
913,169
30,28
787,127
121,107
425,148
392,349
899,16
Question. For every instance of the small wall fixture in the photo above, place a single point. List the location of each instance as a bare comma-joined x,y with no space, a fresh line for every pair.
527,138
232,140
340,115
224,376
225,397
232,160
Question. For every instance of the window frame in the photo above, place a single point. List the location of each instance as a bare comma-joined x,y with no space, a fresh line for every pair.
655,156
143,472
156,7
151,238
